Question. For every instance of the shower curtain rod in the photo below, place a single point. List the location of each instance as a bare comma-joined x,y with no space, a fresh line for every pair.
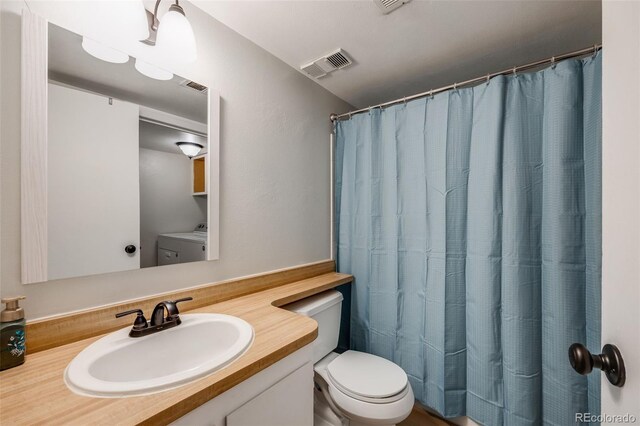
551,60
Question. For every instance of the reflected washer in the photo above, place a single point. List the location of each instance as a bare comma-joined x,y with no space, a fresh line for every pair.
183,247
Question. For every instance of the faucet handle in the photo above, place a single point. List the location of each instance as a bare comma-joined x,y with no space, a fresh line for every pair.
184,299
172,307
140,321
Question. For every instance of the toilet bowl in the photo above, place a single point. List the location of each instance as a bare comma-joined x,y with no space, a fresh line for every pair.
353,388
364,388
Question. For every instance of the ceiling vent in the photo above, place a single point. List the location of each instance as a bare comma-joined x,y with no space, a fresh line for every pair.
388,6
195,86
323,66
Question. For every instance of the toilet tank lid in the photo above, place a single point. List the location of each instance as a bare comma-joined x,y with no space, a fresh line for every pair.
314,304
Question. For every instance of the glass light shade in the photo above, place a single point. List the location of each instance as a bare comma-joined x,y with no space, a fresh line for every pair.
190,149
152,71
175,39
103,52
121,22
132,19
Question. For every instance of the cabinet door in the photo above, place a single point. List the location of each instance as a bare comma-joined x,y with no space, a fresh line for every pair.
287,403
199,175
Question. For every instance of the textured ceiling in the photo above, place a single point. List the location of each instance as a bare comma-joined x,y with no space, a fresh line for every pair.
422,45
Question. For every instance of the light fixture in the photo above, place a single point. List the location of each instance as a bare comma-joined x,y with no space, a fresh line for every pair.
122,22
133,18
190,149
103,52
173,36
152,71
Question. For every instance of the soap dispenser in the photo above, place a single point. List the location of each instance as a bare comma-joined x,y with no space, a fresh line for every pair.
12,334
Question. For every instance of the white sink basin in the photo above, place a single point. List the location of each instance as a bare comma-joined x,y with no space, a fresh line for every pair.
118,365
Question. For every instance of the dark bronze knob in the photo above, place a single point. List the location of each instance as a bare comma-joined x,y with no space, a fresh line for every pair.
610,361
130,249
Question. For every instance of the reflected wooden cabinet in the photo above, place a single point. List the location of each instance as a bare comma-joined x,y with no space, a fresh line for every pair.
199,167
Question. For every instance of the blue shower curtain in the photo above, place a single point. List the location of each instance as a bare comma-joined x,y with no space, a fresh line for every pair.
471,222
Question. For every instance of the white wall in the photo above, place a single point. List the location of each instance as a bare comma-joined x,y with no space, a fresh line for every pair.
621,198
166,203
274,174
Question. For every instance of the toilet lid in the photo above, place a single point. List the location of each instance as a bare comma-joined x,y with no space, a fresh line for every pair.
367,375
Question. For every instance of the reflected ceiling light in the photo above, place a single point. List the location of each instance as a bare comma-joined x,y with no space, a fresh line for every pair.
103,52
190,149
173,36
152,71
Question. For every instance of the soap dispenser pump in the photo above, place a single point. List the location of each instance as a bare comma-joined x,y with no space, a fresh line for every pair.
12,333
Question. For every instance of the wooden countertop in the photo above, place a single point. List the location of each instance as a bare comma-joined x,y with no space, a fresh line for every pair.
35,393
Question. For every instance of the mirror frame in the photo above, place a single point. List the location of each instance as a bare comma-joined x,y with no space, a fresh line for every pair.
33,155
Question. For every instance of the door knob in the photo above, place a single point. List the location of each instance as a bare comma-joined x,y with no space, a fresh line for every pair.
610,361
130,249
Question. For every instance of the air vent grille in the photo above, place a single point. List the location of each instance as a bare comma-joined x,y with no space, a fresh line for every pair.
313,70
338,60
387,6
195,86
389,3
322,66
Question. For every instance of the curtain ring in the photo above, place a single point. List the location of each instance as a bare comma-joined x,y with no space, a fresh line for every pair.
349,115
595,50
488,77
553,62
404,100
455,87
431,94
515,71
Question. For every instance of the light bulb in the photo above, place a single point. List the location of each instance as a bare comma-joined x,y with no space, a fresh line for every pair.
103,52
175,39
190,149
152,71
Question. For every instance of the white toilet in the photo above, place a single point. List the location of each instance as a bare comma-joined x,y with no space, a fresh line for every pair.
353,388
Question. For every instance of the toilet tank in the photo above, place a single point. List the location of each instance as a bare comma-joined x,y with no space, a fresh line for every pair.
325,308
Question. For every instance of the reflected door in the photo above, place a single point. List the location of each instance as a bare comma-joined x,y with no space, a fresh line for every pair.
93,184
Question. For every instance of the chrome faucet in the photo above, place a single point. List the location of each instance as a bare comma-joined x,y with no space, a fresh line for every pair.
158,319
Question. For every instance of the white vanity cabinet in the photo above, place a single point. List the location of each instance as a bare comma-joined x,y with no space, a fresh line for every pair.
285,403
280,395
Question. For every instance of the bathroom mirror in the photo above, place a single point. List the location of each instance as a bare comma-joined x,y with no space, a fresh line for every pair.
125,168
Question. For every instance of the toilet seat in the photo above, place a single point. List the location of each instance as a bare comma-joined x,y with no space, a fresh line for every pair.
370,400
367,377
377,413
358,401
